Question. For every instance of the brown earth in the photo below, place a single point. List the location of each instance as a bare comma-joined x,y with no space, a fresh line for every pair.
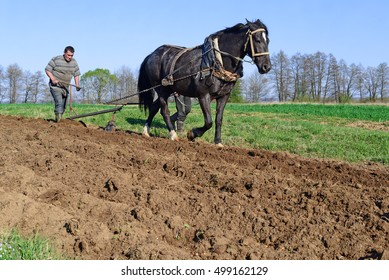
117,195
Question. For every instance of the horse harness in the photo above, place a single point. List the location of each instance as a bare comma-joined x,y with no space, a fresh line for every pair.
168,80
219,71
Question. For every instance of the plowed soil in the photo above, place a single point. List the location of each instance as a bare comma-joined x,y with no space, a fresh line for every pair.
118,195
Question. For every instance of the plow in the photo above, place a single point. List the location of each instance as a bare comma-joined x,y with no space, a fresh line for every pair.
118,102
111,123
113,110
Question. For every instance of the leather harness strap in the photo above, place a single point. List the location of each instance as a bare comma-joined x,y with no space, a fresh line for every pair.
168,80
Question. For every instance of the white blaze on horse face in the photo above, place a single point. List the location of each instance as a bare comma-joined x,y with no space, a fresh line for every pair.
264,37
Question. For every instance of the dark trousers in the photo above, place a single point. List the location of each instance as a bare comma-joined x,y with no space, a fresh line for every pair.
60,96
183,106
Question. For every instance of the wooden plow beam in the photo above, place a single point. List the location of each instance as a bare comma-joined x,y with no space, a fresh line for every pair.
95,113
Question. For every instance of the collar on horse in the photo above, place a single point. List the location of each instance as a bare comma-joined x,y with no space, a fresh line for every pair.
224,74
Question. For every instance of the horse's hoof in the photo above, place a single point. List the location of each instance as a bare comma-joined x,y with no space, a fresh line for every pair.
173,135
146,131
190,135
219,145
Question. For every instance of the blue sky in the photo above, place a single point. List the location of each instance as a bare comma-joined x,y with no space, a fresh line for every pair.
114,33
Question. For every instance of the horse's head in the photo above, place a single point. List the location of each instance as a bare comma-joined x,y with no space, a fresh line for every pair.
257,45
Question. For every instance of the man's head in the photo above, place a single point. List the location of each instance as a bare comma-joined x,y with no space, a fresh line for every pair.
68,53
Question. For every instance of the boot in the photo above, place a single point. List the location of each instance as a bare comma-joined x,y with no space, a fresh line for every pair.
180,127
58,117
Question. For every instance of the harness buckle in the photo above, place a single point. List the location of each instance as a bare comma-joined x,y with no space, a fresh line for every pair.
167,81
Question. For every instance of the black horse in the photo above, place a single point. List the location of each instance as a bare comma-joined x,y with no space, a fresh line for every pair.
208,72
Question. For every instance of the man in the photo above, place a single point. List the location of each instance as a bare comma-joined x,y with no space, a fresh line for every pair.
61,69
183,105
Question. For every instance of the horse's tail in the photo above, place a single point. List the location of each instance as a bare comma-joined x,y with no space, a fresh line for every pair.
146,97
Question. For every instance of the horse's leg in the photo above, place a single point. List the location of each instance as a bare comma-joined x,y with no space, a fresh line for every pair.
166,117
205,105
153,110
220,105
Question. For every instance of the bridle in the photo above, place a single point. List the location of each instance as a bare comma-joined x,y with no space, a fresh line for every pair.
250,39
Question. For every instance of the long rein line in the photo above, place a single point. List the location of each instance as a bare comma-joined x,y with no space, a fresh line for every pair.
180,78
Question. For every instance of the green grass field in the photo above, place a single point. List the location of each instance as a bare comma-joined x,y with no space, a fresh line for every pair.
354,133
13,246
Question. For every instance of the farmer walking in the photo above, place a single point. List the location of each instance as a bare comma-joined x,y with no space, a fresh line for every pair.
183,106
61,69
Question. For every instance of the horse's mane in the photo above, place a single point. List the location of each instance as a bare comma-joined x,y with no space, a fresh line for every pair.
234,28
237,27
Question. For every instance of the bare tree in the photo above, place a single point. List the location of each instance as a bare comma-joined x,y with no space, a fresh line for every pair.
33,86
2,89
319,65
27,85
332,81
358,84
300,76
383,77
346,78
39,88
126,85
281,74
256,87
371,83
14,76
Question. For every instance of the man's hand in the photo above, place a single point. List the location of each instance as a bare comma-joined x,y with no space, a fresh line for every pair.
78,88
54,82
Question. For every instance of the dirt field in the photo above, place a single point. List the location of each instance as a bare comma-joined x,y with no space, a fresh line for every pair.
104,195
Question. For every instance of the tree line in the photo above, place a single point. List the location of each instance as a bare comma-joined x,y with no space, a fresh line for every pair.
314,77
98,86
320,77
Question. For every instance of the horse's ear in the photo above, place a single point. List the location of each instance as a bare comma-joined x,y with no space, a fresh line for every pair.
247,21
